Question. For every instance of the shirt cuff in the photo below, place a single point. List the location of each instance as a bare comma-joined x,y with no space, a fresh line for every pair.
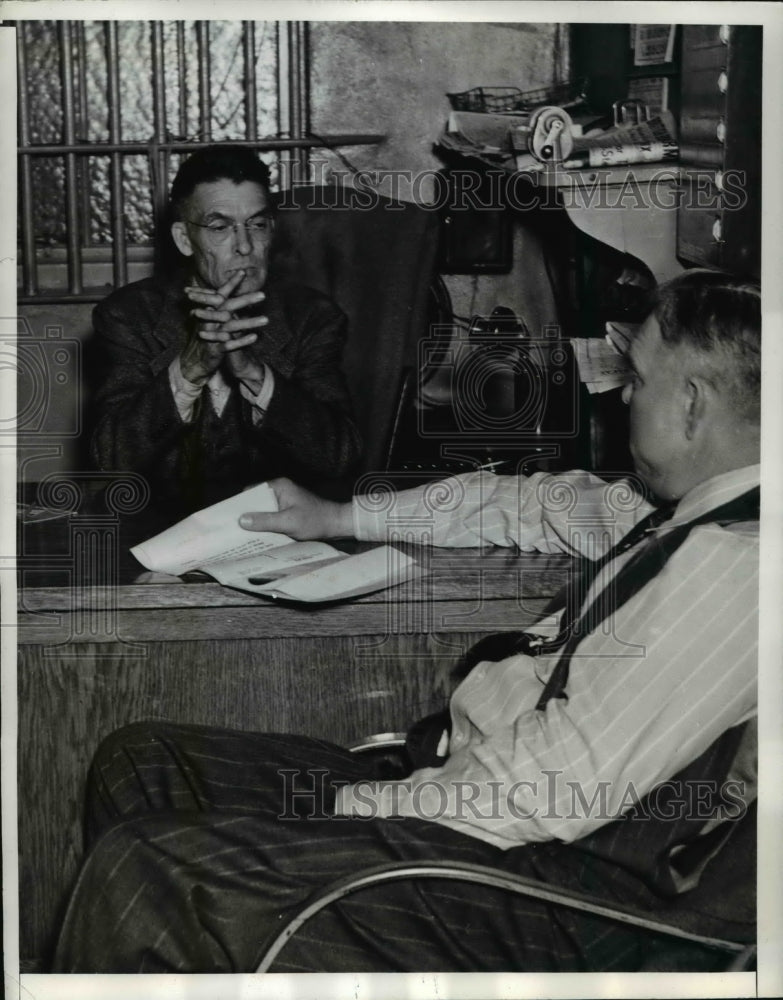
260,402
185,393
369,525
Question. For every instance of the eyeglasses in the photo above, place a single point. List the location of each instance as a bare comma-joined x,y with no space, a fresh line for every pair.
218,232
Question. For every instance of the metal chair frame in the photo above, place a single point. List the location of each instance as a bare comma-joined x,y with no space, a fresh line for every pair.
740,954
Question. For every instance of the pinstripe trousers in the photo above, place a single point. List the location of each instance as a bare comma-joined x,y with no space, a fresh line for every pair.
202,842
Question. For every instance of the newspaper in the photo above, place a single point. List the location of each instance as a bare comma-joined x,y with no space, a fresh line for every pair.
646,142
483,132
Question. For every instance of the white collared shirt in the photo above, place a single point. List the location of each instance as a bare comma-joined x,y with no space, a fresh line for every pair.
648,691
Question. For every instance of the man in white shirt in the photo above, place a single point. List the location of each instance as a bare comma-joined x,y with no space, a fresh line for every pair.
611,761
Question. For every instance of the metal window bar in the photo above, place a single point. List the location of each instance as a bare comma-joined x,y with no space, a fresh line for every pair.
159,157
251,110
83,121
283,114
297,44
73,230
29,263
293,66
182,119
204,80
117,195
189,145
293,141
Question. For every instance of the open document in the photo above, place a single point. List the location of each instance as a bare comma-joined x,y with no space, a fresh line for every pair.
269,563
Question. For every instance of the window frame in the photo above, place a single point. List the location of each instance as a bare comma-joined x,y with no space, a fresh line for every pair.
76,272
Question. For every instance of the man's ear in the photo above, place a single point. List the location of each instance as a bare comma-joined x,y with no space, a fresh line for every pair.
699,395
179,233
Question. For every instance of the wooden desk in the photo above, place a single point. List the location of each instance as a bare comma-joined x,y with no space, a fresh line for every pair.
94,655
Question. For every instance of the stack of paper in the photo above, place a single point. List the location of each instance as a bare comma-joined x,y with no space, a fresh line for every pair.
490,138
269,563
485,133
603,364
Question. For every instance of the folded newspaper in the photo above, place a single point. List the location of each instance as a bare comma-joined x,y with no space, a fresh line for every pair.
269,563
652,141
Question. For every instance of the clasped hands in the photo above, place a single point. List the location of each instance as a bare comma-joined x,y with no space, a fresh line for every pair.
220,337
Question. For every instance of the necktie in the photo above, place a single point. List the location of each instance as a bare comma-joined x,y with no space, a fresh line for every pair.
569,600
573,595
424,737
646,563
633,575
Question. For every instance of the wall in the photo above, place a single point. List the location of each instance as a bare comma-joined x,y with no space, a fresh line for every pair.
394,78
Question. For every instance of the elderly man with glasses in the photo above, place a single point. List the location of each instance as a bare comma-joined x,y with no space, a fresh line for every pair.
221,374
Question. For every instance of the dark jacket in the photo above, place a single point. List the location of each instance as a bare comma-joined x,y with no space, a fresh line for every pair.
307,433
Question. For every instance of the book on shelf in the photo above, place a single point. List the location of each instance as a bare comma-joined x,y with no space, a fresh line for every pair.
267,563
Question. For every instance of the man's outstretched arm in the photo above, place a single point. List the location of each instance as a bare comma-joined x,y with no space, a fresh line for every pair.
574,512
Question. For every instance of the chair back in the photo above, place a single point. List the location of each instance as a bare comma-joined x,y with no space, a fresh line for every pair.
376,259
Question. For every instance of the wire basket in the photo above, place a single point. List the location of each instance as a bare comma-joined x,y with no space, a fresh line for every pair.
512,100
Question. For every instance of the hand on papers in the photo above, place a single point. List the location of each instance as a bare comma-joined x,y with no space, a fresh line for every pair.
209,536
301,514
268,563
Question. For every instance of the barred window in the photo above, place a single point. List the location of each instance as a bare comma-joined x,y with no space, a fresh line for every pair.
107,109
